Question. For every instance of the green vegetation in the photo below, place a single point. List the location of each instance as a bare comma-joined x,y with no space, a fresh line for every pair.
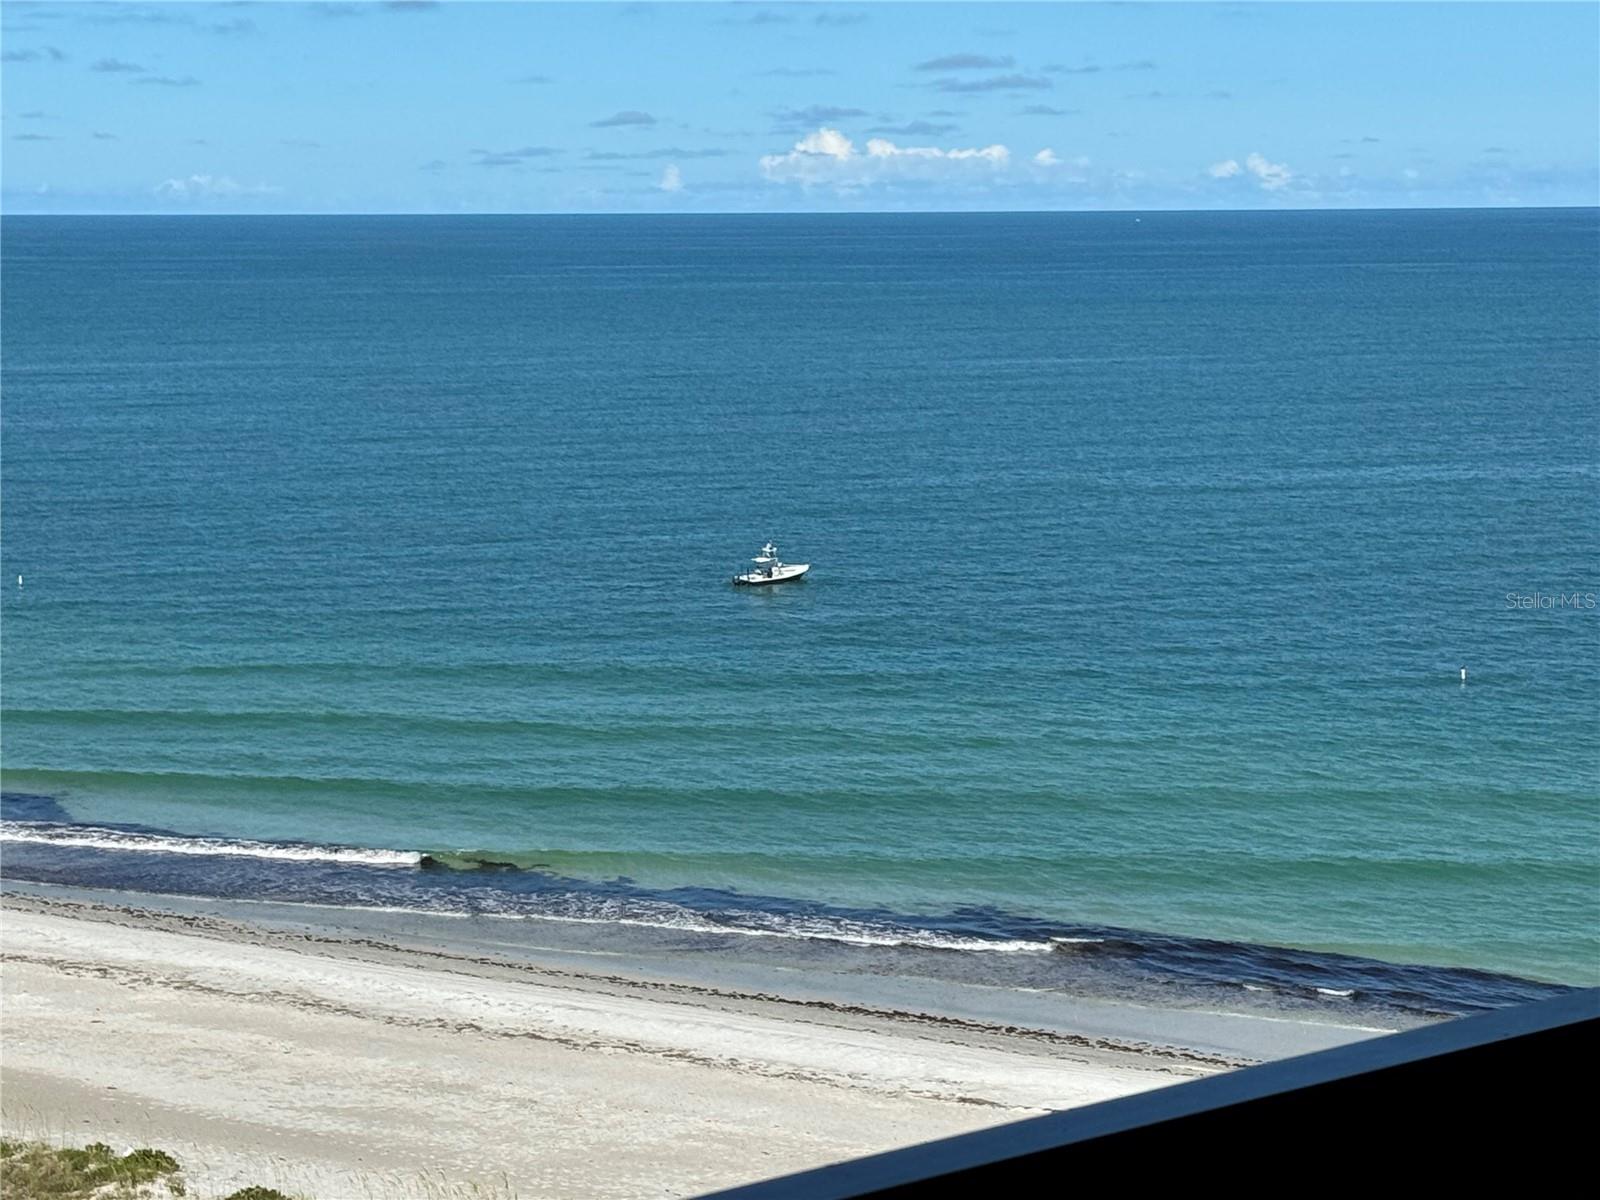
34,1171
31,1171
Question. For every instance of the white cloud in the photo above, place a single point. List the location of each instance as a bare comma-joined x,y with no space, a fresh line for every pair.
827,156
1047,158
671,179
829,143
883,148
1268,175
1273,176
210,187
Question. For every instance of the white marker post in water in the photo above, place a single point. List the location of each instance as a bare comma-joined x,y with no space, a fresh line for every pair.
1463,674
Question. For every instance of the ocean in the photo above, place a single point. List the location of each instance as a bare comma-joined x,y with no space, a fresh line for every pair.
385,562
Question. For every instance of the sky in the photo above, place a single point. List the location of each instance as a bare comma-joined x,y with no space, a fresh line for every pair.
463,107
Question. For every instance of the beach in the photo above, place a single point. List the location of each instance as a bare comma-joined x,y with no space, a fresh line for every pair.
335,1065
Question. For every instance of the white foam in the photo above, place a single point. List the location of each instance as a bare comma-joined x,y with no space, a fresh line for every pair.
93,838
789,927
681,920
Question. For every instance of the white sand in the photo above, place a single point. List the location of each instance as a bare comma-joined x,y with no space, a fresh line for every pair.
342,1068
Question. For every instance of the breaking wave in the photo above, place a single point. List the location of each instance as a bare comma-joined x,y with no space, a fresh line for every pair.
95,838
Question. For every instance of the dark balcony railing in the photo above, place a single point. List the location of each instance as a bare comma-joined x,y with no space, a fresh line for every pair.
1506,1099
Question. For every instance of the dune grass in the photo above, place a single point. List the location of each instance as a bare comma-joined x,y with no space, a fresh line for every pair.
35,1171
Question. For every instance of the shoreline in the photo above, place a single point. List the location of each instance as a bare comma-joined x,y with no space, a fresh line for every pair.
1019,951
240,1045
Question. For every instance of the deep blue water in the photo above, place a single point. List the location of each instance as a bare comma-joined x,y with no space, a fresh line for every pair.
1147,553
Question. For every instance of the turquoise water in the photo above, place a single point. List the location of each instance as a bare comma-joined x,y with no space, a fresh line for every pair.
1147,555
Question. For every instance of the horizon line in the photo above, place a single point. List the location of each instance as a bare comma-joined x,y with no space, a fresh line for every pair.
825,212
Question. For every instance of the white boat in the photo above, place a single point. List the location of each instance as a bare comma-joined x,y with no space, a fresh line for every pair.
770,570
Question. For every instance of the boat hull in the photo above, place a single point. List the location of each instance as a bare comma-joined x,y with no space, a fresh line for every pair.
786,575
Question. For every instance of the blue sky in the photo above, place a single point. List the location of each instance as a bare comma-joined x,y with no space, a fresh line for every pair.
622,107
